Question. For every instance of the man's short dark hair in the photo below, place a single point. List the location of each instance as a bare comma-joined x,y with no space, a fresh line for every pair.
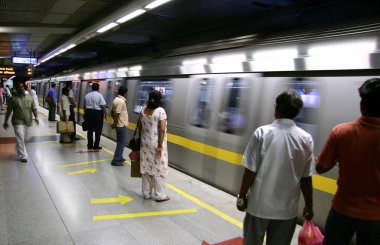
65,90
370,95
288,104
122,90
95,86
53,85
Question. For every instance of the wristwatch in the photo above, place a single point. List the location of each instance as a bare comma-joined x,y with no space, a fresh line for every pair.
241,201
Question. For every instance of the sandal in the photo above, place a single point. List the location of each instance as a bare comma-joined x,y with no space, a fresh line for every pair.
163,200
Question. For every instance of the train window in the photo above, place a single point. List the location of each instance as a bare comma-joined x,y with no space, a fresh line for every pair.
109,93
201,112
143,93
232,117
310,94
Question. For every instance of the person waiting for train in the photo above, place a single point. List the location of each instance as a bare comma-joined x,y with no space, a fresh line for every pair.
51,99
119,114
94,113
356,146
278,164
69,85
153,151
65,114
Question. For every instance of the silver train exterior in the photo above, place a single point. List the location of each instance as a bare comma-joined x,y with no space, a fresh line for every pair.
215,104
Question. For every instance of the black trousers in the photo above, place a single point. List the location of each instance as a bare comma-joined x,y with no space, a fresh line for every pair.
72,118
94,118
52,107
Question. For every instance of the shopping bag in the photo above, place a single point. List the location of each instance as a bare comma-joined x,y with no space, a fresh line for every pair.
135,164
310,234
64,127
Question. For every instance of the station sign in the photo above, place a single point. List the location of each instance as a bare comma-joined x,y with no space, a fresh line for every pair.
7,71
24,60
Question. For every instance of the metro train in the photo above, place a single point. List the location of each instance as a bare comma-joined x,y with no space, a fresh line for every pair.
215,104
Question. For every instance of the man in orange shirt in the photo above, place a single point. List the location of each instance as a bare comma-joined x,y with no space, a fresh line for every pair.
356,146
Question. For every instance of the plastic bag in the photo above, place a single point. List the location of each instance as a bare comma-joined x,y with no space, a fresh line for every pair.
310,234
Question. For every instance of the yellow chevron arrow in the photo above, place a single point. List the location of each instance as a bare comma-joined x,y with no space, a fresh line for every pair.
122,199
83,171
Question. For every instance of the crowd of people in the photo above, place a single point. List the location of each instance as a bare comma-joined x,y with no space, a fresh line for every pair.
279,160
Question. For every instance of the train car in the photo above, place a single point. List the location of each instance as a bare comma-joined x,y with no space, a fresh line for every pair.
216,99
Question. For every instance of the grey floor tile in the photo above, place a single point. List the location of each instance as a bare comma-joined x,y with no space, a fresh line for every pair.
111,235
53,240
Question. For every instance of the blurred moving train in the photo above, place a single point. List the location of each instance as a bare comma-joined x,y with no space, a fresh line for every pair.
216,99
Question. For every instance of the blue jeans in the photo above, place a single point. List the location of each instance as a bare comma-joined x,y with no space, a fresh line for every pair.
340,230
121,133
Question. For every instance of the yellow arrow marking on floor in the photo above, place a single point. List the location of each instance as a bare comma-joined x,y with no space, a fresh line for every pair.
206,206
81,163
83,171
122,199
145,214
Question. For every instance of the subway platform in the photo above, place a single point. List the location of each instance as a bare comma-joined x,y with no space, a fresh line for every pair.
66,194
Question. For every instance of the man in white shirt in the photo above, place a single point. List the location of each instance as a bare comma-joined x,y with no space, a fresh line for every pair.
278,165
95,111
120,122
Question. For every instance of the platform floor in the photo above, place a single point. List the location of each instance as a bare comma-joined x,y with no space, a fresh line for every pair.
67,195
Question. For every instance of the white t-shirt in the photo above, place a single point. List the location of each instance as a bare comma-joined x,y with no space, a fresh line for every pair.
35,98
280,154
94,100
65,105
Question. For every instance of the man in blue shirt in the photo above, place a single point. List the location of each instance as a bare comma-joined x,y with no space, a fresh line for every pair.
52,100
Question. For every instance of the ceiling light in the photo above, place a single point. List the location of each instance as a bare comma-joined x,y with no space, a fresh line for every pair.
107,27
71,46
156,4
131,16
194,62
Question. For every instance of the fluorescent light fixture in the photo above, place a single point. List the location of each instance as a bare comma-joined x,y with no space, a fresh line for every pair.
194,62
275,53
193,69
342,62
156,3
226,67
232,58
272,65
111,70
122,69
135,68
107,27
130,16
71,46
343,48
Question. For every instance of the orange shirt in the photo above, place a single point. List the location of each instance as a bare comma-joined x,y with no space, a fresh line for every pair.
356,148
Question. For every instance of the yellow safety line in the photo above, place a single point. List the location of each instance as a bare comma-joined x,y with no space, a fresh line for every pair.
324,184
206,206
82,163
145,214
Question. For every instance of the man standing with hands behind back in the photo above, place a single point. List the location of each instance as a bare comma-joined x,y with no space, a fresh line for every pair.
22,106
119,114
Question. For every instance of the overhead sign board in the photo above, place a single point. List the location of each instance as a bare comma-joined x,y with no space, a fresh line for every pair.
24,60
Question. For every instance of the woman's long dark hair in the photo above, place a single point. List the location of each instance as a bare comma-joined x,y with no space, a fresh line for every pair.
154,100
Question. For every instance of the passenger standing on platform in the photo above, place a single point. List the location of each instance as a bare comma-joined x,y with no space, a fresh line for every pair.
34,94
8,94
65,114
69,85
95,111
52,102
22,106
154,151
119,114
356,146
1,97
278,164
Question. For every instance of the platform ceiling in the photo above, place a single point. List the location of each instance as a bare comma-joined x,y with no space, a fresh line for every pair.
35,28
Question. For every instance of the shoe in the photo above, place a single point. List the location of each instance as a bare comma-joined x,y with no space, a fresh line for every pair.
163,200
23,160
90,148
75,138
98,148
124,159
117,164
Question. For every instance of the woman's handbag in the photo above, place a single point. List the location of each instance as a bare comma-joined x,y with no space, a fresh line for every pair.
134,143
64,127
135,164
